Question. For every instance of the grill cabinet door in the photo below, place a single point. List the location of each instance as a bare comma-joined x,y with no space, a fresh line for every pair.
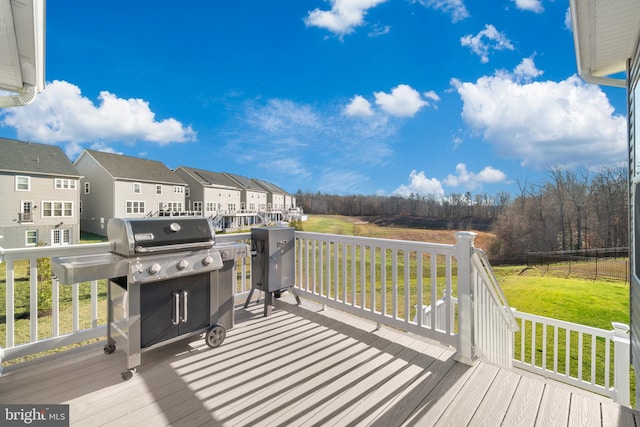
158,308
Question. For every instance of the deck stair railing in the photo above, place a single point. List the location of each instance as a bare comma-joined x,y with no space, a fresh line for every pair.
494,322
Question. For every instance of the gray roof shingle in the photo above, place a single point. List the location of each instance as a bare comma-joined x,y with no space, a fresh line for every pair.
29,157
135,168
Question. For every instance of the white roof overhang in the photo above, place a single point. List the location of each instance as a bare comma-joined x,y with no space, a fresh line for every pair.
604,34
22,40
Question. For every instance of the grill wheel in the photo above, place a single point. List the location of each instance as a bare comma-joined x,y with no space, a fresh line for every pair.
215,336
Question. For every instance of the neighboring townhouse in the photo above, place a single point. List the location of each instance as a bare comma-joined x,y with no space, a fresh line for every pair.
117,186
213,194
39,195
276,205
253,196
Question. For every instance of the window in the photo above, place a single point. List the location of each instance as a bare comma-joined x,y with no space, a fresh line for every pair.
65,184
210,206
178,190
23,183
60,237
31,237
87,187
57,209
187,192
135,206
159,189
197,206
137,188
174,206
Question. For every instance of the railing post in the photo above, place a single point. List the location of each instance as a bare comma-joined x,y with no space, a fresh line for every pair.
621,363
463,252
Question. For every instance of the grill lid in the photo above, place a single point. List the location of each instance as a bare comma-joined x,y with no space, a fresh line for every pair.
140,236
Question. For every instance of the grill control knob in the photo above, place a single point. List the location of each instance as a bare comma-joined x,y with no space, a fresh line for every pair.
183,264
207,261
154,268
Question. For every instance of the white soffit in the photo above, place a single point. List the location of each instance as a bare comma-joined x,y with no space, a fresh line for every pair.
22,46
604,34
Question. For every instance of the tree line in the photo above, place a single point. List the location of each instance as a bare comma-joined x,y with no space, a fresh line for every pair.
571,209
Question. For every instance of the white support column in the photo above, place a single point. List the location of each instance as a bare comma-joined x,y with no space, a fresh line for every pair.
622,363
463,252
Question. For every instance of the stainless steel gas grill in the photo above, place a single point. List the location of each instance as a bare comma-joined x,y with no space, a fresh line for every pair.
168,279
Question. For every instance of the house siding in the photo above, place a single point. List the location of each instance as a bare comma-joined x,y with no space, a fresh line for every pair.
42,189
633,94
100,198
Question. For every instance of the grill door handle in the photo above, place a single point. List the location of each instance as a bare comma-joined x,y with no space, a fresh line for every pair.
176,318
185,306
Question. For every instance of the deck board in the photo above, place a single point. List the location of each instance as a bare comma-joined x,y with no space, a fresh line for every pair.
301,366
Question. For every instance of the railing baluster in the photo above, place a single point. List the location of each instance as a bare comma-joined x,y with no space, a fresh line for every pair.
383,281
372,278
580,351
420,284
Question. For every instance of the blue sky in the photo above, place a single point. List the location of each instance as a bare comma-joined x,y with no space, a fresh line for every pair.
429,97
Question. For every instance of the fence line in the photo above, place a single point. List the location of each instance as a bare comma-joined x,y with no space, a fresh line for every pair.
602,263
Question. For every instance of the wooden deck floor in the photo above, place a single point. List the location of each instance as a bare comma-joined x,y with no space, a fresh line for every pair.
301,366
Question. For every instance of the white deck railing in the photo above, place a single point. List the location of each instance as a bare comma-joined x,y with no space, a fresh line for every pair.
391,282
590,358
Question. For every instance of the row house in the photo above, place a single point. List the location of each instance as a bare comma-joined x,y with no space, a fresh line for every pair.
276,200
99,186
39,195
115,186
213,194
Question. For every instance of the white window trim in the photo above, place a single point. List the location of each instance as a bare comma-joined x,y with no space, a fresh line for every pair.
87,187
137,188
26,237
64,184
139,209
63,209
28,178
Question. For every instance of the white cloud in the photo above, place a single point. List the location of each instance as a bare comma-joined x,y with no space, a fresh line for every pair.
62,114
432,96
487,40
566,123
456,8
358,107
421,185
344,16
403,101
531,5
527,70
303,142
281,115
471,180
567,19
